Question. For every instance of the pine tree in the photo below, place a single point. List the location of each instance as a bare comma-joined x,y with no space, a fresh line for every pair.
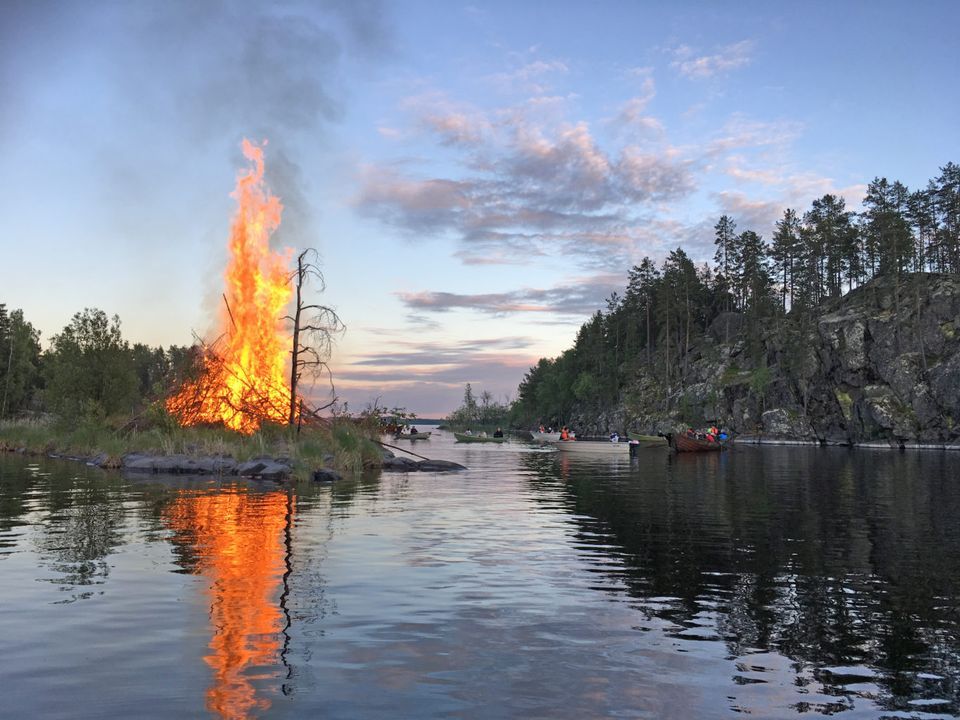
725,259
946,192
786,252
886,226
833,242
922,218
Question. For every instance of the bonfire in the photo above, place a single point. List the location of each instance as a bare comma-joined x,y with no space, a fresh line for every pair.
243,375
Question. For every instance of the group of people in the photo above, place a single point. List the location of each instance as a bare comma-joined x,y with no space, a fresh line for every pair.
498,433
711,434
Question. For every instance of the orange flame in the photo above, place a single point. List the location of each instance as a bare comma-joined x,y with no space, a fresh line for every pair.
245,380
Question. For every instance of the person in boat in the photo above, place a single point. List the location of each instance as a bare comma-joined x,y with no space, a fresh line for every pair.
614,437
413,430
498,433
564,433
541,429
468,431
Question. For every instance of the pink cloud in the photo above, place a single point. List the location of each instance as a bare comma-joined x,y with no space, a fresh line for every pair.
725,59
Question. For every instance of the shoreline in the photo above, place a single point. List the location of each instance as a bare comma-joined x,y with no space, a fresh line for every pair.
868,445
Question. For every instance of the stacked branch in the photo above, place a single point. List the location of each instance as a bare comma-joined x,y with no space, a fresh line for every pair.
222,393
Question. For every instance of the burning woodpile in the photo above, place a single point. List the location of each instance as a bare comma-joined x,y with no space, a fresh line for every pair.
243,374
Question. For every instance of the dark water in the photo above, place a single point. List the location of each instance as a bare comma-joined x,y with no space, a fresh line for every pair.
769,582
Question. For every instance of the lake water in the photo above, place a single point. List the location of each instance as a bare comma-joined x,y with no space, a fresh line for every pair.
773,582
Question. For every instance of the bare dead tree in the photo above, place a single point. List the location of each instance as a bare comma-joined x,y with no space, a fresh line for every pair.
314,328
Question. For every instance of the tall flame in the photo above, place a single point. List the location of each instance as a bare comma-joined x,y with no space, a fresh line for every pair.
244,380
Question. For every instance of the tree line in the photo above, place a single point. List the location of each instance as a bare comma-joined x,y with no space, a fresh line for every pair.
89,369
482,412
647,330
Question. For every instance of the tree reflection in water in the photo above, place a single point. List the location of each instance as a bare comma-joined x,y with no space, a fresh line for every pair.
239,540
846,563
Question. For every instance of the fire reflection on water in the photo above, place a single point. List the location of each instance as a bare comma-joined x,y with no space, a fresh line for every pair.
239,540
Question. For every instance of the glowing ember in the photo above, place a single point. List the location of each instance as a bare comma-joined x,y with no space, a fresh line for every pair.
244,380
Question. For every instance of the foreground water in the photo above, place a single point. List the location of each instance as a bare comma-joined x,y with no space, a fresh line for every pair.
773,582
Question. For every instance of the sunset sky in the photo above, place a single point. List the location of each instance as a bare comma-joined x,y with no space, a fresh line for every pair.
478,177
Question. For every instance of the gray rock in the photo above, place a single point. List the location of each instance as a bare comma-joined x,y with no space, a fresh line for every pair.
251,467
100,460
439,466
400,464
726,327
222,465
782,423
326,475
264,468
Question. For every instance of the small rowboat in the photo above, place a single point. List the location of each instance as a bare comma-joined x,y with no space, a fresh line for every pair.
464,438
412,436
685,443
594,447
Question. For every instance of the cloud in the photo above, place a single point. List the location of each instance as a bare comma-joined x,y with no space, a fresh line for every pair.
741,131
529,77
429,377
648,91
729,57
751,214
457,128
575,299
528,185
389,132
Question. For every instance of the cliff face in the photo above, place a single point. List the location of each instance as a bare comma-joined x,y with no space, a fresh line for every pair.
880,364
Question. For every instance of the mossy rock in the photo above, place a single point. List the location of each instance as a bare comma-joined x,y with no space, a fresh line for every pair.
846,404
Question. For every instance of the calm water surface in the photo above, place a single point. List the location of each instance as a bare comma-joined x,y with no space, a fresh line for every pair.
769,582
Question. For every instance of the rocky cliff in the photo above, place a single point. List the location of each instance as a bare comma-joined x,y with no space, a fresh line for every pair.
881,364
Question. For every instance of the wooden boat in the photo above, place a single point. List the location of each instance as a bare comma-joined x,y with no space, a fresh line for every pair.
545,436
464,438
685,443
594,447
412,436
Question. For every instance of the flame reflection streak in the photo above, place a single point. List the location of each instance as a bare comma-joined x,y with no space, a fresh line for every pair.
239,540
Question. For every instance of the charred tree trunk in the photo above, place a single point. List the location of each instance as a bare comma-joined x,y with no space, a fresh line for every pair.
295,347
312,335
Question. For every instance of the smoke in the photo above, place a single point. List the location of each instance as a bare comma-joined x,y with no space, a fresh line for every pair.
223,70
134,112
143,90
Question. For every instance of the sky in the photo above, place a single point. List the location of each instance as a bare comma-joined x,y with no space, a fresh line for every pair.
477,177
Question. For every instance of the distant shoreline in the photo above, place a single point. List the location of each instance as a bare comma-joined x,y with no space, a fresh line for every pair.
869,445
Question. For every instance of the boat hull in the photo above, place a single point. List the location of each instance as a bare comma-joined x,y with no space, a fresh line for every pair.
682,443
414,436
594,447
462,438
545,437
